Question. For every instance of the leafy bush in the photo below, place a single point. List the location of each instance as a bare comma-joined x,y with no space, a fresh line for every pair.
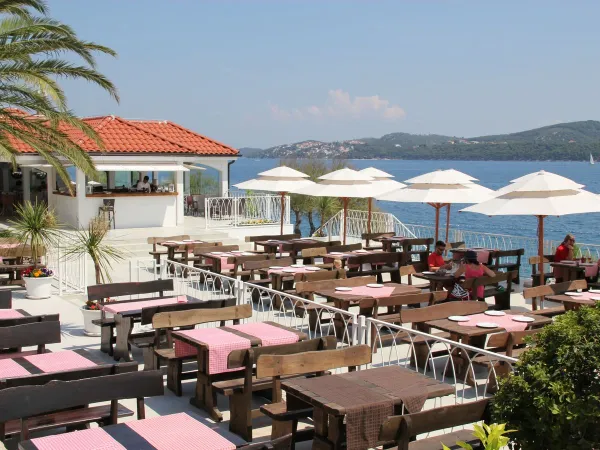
492,437
553,398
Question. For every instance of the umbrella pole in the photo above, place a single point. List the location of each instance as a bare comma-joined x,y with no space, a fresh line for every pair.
447,222
282,212
437,221
541,248
345,202
369,218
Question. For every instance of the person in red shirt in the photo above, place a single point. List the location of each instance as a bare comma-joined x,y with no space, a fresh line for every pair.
564,252
435,260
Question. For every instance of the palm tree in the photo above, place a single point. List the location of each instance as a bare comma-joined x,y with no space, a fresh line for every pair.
33,106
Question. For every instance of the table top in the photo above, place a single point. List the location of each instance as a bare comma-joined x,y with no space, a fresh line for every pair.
573,265
156,433
341,296
464,331
348,255
231,254
170,244
132,308
435,276
338,393
585,299
11,314
27,364
391,238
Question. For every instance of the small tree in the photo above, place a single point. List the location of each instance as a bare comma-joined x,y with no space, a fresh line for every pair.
90,242
553,398
35,225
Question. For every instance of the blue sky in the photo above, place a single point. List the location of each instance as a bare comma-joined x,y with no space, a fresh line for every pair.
262,73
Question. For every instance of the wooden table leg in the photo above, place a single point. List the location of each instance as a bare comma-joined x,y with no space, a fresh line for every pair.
106,335
321,419
206,397
123,328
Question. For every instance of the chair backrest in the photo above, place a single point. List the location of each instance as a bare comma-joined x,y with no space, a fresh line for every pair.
239,261
320,275
215,248
370,236
474,283
459,244
158,239
403,429
27,401
265,264
344,248
30,334
5,299
102,291
149,312
275,365
385,258
554,289
199,316
535,261
370,306
441,311
29,319
507,341
313,252
309,287
266,237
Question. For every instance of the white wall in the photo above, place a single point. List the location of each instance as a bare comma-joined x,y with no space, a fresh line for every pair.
65,208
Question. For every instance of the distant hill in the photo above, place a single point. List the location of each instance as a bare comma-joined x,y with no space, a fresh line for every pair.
250,152
564,141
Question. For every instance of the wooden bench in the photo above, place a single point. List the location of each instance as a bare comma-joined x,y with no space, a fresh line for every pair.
404,429
418,316
154,241
501,295
256,267
36,334
101,292
282,443
239,264
551,289
498,256
344,248
266,237
380,263
312,363
408,272
406,247
368,237
198,248
310,256
64,403
535,264
168,321
239,390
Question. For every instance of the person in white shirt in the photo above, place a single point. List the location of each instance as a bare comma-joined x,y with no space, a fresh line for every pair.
144,185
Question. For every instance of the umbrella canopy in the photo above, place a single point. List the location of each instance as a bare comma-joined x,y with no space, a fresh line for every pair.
345,184
438,189
539,194
282,180
383,181
93,183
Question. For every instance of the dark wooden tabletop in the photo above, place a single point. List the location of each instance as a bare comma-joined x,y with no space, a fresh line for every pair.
439,278
181,243
346,297
466,331
335,403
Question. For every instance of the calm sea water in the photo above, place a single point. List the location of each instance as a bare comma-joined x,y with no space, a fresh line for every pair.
492,174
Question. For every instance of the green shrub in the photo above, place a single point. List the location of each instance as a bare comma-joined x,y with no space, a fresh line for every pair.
553,398
492,437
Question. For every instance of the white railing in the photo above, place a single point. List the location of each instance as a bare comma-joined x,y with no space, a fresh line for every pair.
356,223
70,274
245,211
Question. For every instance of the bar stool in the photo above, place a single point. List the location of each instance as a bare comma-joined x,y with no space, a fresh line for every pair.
107,211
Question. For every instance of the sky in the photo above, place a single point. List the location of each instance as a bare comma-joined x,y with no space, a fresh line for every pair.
254,73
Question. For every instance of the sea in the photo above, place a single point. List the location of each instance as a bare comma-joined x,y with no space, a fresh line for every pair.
492,174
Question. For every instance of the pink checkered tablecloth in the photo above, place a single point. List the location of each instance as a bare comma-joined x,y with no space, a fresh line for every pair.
224,264
59,361
588,296
117,307
169,432
505,322
17,354
9,314
220,344
366,291
10,369
288,270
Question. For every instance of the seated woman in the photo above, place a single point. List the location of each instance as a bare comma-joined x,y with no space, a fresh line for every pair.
564,252
470,267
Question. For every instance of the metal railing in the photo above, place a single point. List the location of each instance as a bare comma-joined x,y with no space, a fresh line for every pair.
70,275
245,211
356,223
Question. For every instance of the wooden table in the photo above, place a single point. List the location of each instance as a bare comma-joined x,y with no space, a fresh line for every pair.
64,365
272,246
10,317
182,430
216,258
345,256
483,254
205,397
574,270
175,247
279,278
574,302
388,242
343,300
437,281
337,401
125,319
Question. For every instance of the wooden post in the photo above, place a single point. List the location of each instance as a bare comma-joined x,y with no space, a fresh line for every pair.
447,222
437,220
369,218
345,202
541,248
282,212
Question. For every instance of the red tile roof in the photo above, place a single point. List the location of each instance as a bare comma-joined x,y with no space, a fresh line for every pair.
142,136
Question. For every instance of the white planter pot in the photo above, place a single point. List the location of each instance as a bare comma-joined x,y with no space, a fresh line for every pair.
89,329
38,288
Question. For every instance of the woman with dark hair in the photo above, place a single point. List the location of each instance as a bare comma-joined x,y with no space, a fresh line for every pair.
470,267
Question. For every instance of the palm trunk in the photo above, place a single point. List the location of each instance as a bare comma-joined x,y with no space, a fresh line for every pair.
98,272
311,223
298,221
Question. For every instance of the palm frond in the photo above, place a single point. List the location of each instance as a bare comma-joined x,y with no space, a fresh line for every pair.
35,225
20,7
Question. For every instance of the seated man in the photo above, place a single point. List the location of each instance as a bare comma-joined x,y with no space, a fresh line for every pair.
144,185
435,260
564,252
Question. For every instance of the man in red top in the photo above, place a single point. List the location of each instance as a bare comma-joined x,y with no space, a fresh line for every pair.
435,260
564,252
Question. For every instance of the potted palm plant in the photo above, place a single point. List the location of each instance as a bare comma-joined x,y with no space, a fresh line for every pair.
91,242
36,225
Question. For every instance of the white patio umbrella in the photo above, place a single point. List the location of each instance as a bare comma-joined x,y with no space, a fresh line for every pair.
383,180
282,180
539,194
93,183
345,184
438,189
